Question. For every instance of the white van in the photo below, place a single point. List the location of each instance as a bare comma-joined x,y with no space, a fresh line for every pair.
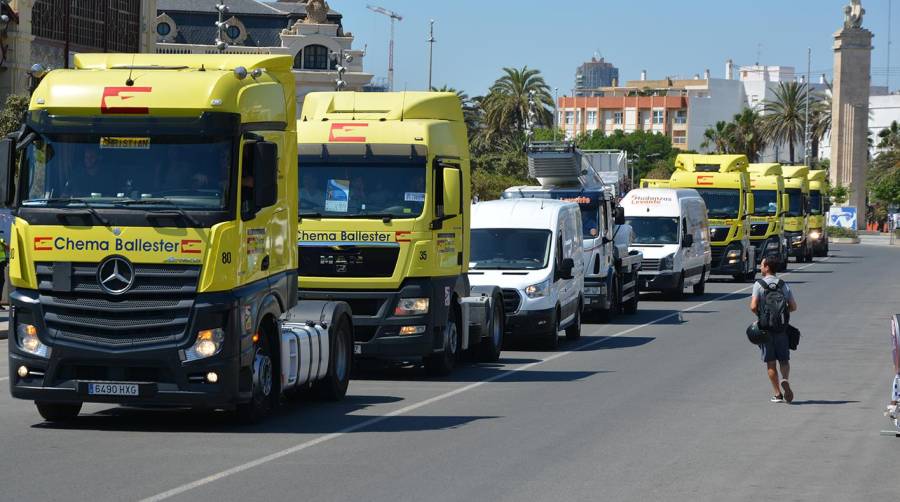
671,229
531,249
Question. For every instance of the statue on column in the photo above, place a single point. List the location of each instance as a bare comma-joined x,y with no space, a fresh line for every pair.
316,12
853,15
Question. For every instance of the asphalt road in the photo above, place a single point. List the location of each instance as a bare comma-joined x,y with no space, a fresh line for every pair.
671,404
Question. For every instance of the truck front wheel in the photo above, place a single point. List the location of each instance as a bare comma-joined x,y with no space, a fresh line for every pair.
340,360
58,412
263,384
442,364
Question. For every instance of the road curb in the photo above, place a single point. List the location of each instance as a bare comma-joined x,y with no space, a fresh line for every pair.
844,240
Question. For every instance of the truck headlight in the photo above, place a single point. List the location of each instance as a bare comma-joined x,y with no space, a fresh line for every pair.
772,244
538,290
815,234
411,306
667,263
209,343
734,254
27,340
796,240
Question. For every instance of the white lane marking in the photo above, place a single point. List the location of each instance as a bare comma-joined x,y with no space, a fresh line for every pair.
3,378
402,411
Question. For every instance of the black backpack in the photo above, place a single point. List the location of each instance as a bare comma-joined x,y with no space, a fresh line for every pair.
773,310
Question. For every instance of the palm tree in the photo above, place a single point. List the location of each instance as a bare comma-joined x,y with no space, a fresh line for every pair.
889,137
720,137
747,134
785,115
507,105
819,122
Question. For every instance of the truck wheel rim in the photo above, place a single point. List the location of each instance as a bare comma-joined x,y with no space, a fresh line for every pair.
262,373
340,361
451,337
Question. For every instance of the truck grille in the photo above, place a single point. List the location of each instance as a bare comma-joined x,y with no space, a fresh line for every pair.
155,310
759,229
717,253
650,265
324,261
511,301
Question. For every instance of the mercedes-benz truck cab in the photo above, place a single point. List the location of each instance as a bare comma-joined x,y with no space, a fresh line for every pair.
796,221
672,231
769,206
724,184
531,248
818,209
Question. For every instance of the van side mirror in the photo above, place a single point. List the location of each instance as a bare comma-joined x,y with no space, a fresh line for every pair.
566,268
260,175
687,241
452,192
620,215
7,171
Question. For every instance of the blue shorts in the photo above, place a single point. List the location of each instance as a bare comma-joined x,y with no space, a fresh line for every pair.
776,349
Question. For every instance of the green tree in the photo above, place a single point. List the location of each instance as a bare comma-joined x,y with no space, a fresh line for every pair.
12,113
889,137
884,177
720,137
747,134
662,170
507,106
785,115
819,122
839,194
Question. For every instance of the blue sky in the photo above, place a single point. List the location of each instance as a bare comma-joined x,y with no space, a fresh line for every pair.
475,39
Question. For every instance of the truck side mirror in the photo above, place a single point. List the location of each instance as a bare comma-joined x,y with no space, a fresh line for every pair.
620,216
687,241
452,192
785,203
265,174
566,268
7,171
749,203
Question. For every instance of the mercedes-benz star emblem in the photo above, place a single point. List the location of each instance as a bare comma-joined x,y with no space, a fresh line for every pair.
115,275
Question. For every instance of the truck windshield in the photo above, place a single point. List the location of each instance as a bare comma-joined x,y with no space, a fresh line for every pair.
509,249
815,202
192,172
765,202
721,202
795,206
358,191
654,231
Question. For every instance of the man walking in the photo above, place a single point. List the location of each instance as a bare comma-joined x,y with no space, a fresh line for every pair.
772,302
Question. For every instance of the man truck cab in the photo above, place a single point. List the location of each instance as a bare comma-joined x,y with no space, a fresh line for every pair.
796,221
672,232
724,184
531,248
769,206
818,211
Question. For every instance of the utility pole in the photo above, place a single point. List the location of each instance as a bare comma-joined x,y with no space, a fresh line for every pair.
394,18
221,26
806,138
556,110
430,54
889,43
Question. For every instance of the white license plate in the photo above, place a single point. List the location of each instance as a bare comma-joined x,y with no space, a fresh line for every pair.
112,389
357,349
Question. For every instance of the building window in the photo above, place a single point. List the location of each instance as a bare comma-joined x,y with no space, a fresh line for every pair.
679,137
618,118
93,24
233,32
570,118
578,117
591,118
163,29
681,117
658,117
315,57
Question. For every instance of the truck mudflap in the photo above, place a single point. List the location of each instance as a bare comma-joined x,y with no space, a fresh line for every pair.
476,312
629,269
306,334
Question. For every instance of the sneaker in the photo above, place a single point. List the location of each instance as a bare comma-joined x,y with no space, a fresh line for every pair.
776,399
788,393
891,411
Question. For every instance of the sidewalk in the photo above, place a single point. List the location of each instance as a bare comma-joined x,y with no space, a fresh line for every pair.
873,239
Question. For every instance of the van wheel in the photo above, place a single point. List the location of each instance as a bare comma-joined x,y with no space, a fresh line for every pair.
442,364
551,338
573,332
700,287
677,293
631,306
340,362
263,385
58,412
490,347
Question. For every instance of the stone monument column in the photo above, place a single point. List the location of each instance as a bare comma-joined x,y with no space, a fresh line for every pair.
850,107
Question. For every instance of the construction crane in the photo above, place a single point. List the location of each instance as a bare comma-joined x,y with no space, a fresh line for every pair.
394,18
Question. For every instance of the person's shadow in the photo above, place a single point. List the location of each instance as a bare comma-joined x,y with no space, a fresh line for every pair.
820,402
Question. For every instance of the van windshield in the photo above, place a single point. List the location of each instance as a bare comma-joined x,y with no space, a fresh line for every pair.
654,231
721,202
765,202
361,190
510,249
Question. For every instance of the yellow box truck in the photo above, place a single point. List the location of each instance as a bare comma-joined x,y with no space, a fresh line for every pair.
385,203
769,206
796,222
818,212
153,258
724,183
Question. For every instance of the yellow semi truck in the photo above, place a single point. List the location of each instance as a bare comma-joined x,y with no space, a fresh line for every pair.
153,258
818,212
385,202
796,222
652,183
769,206
724,183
